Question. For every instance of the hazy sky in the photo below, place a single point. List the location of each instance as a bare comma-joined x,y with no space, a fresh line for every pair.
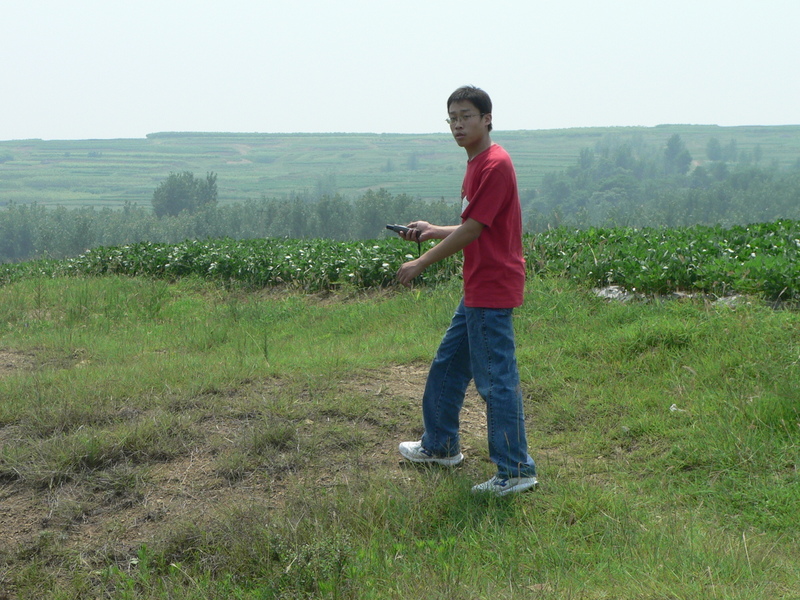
83,69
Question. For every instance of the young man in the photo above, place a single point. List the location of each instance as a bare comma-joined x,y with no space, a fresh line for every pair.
479,344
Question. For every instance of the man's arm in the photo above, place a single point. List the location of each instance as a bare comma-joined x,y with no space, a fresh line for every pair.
456,239
427,231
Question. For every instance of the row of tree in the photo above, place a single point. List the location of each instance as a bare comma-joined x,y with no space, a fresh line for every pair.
32,231
629,185
613,184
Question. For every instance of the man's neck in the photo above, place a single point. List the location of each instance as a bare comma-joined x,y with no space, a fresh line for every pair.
479,147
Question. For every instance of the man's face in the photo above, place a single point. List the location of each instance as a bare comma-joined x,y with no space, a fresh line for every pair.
467,124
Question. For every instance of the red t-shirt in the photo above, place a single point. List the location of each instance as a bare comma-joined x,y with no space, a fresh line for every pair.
494,266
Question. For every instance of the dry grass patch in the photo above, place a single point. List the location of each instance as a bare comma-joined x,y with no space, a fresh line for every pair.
236,452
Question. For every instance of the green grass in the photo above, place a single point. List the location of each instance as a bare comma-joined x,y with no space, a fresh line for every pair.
180,440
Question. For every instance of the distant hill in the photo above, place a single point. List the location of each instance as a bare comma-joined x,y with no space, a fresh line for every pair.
109,173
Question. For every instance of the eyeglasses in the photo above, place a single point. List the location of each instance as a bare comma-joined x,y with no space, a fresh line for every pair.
461,119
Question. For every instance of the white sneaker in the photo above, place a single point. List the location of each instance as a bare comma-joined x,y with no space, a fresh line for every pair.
500,486
414,452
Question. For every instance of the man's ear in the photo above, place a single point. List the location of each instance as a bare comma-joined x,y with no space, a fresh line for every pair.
487,119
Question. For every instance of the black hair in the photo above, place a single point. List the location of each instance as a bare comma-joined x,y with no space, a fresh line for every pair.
470,93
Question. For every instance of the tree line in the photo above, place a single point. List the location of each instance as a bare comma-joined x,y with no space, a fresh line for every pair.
613,184
626,184
30,231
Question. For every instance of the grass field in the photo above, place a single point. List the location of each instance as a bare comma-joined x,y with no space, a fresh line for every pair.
179,440
111,172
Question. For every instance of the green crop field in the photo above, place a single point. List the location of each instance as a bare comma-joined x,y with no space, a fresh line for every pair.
109,173
761,260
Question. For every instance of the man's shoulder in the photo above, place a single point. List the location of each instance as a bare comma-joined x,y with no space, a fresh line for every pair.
492,155
497,154
496,159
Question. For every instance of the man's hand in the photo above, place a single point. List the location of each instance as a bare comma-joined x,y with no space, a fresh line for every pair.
418,231
408,271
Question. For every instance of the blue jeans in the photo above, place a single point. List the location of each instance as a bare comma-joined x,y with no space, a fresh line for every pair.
479,345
